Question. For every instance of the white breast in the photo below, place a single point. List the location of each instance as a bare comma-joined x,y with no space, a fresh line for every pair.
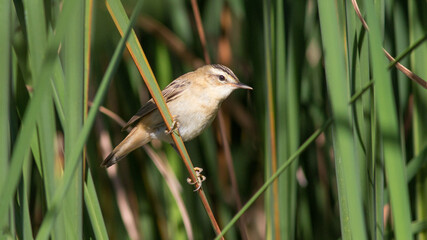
193,114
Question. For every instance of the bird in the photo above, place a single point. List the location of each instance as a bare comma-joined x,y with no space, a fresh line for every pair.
193,100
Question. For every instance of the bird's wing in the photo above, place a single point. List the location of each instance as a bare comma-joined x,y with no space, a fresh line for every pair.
172,91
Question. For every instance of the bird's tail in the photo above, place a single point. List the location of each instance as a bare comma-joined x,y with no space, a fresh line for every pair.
135,139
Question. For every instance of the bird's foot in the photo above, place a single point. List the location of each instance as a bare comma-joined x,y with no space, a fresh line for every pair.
175,126
200,178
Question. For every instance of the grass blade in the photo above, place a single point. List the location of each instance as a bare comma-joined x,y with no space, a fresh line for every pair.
272,213
274,177
78,147
389,130
41,92
417,31
351,212
5,94
74,115
6,83
93,208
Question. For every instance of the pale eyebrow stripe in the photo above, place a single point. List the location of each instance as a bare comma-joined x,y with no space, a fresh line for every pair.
225,69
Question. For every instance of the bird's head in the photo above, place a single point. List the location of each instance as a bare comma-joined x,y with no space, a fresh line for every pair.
220,79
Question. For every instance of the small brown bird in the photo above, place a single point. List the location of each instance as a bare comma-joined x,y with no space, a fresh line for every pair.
193,100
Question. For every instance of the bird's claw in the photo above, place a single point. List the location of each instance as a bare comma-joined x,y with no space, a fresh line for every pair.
175,126
200,178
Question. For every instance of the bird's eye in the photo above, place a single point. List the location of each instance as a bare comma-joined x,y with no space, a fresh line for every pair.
221,77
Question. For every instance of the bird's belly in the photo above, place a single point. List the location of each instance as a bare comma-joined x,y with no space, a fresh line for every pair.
190,126
192,115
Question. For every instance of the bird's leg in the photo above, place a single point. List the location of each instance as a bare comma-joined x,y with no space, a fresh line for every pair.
200,178
175,126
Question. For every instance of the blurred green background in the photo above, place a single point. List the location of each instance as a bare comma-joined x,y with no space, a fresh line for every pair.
363,177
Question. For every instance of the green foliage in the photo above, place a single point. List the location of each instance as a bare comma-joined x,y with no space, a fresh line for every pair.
333,136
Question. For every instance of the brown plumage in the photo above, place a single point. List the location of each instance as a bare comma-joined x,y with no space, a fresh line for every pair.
193,100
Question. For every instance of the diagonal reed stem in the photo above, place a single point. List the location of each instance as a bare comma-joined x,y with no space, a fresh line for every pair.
395,62
270,180
119,16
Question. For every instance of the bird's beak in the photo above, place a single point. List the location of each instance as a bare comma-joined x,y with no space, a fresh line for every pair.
242,86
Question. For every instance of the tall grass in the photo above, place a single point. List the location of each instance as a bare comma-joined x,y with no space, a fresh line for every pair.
330,144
